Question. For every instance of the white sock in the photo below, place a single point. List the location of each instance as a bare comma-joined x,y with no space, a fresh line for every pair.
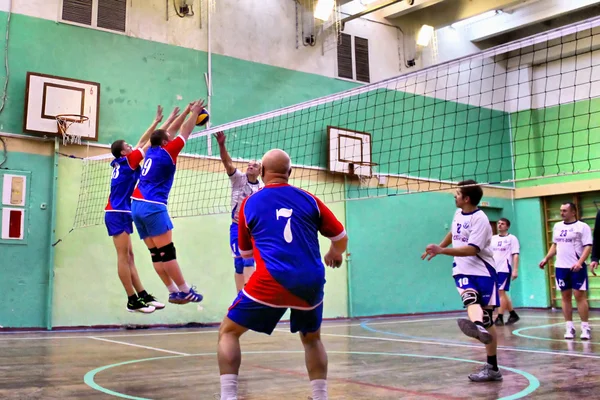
570,325
585,325
185,288
173,288
229,387
319,389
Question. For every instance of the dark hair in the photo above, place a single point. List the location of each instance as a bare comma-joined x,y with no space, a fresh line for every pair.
475,193
158,136
116,148
572,206
505,220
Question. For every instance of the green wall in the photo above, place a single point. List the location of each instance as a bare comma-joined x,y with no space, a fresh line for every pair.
24,266
388,236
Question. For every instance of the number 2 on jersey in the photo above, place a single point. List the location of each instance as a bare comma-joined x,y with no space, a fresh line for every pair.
287,231
147,166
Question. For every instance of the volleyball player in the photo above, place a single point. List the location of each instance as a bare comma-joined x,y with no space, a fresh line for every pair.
150,199
280,226
242,186
506,257
473,273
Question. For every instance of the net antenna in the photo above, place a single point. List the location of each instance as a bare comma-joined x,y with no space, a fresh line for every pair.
64,122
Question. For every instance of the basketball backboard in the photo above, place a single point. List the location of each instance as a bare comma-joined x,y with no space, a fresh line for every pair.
47,96
349,152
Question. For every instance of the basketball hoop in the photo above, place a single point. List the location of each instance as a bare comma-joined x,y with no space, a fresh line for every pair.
64,121
354,170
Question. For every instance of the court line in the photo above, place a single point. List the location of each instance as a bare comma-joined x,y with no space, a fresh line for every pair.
88,378
139,345
458,345
517,332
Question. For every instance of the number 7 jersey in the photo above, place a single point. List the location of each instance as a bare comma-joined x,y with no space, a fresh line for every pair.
473,229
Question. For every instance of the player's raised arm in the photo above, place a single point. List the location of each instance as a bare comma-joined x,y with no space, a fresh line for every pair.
187,128
178,121
174,114
225,158
146,136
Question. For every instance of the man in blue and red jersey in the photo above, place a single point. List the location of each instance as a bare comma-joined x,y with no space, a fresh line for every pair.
279,226
149,202
118,220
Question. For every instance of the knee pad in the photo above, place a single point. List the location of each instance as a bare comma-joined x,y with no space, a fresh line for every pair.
155,255
470,297
168,252
488,318
238,263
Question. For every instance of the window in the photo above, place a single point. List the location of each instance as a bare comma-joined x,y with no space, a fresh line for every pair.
353,58
105,14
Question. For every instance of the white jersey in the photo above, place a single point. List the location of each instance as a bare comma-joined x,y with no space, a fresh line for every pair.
504,247
240,189
472,229
570,239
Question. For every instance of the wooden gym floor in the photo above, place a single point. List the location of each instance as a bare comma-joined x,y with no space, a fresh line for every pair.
423,357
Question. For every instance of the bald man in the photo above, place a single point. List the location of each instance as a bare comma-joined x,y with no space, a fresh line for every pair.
283,222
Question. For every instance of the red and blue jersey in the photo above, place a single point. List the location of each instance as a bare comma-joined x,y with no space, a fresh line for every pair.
158,172
126,172
279,226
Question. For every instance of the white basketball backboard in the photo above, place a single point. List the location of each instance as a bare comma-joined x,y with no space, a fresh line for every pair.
349,150
47,96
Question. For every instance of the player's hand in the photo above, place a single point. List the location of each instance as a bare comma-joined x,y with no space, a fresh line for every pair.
576,267
159,114
174,114
197,106
432,250
514,275
220,136
593,267
543,263
333,260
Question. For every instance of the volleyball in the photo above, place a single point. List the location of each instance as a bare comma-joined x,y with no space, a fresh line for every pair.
202,118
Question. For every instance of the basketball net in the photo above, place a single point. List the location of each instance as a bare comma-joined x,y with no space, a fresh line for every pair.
64,122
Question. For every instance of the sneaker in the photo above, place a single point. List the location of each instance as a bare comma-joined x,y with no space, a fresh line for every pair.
570,333
475,331
184,298
512,319
486,374
151,301
175,298
586,333
138,305
499,321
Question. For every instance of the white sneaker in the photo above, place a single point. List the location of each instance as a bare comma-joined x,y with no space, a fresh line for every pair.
570,333
586,333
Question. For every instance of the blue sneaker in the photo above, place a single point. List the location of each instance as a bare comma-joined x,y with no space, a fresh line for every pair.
174,298
184,298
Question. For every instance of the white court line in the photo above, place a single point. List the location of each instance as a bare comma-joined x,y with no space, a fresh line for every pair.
138,345
107,336
457,345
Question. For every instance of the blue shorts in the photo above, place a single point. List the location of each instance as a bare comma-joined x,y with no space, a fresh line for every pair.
261,318
150,219
504,279
567,279
238,262
486,286
118,222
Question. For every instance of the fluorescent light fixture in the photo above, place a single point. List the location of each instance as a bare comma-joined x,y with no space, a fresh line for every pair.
425,34
324,9
367,2
476,18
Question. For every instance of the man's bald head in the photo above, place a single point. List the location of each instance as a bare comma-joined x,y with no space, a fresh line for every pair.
276,164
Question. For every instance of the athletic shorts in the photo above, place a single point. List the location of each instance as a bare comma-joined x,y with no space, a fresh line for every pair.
262,318
567,279
118,222
486,286
504,279
150,219
238,262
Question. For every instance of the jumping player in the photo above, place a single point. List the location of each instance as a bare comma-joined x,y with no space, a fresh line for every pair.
571,244
473,272
118,220
506,256
242,186
149,205
279,225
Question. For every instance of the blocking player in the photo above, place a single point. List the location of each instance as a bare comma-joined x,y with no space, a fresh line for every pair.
242,186
571,244
118,220
506,256
473,273
280,226
150,197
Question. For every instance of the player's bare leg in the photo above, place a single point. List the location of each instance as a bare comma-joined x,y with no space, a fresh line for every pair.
229,355
474,326
248,271
567,309
583,309
490,371
239,281
135,278
158,267
316,363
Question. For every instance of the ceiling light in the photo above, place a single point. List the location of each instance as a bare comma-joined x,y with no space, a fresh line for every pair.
324,9
425,34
